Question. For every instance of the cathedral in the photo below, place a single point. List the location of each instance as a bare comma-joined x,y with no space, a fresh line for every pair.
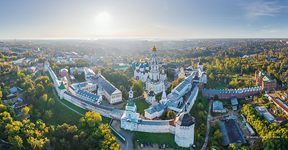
150,74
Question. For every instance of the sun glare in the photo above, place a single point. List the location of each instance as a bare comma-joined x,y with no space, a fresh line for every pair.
103,17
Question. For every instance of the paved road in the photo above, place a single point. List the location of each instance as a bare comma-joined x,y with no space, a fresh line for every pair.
129,143
208,126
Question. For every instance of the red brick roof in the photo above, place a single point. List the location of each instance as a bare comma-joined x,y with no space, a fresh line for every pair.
281,104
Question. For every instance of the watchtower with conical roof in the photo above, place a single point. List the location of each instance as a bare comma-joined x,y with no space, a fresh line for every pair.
184,132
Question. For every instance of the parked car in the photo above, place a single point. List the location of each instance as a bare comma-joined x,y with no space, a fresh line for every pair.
194,146
163,146
160,146
141,145
151,144
166,145
148,144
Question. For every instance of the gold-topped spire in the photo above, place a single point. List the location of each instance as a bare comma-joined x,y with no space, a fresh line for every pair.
154,48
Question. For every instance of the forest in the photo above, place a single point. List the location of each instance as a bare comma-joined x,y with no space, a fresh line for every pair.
43,129
274,136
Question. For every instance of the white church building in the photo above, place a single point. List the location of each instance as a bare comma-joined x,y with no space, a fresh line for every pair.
182,126
151,77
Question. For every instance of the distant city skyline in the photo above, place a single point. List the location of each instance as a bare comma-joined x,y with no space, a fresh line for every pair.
34,19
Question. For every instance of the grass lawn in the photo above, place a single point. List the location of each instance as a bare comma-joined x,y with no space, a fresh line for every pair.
105,119
155,138
158,97
62,114
141,106
83,111
206,86
215,85
79,109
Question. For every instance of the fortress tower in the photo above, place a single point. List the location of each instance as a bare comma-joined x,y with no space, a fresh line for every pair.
184,132
129,119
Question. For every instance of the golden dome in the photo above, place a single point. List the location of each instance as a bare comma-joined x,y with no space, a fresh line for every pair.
154,48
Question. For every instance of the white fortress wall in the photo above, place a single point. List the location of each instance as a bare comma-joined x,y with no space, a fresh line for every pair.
156,128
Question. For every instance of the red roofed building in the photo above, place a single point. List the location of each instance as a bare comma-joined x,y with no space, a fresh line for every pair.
63,72
264,80
280,104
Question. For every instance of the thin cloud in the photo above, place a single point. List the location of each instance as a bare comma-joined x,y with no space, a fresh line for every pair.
270,31
260,8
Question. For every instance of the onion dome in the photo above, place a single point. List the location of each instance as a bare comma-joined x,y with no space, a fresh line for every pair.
142,65
137,64
151,93
130,92
147,64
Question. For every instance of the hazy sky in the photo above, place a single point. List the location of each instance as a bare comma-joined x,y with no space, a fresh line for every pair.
143,18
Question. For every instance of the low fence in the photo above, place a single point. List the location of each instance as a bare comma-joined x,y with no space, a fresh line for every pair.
122,138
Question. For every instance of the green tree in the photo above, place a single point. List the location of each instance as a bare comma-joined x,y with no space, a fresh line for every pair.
24,111
211,77
17,140
10,103
51,102
50,86
39,90
200,106
48,115
76,73
171,114
179,80
137,88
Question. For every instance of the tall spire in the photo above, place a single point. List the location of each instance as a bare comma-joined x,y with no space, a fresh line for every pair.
154,48
130,100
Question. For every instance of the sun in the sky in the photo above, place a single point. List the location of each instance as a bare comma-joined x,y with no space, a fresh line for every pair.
103,17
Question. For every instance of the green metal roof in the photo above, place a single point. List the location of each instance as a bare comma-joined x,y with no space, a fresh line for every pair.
119,67
61,87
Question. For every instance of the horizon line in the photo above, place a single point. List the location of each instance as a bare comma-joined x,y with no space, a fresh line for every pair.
144,38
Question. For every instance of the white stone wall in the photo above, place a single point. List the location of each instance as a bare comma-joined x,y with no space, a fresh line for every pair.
116,97
154,115
132,126
184,136
156,128
142,76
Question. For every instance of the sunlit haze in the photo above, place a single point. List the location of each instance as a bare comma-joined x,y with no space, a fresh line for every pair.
34,19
